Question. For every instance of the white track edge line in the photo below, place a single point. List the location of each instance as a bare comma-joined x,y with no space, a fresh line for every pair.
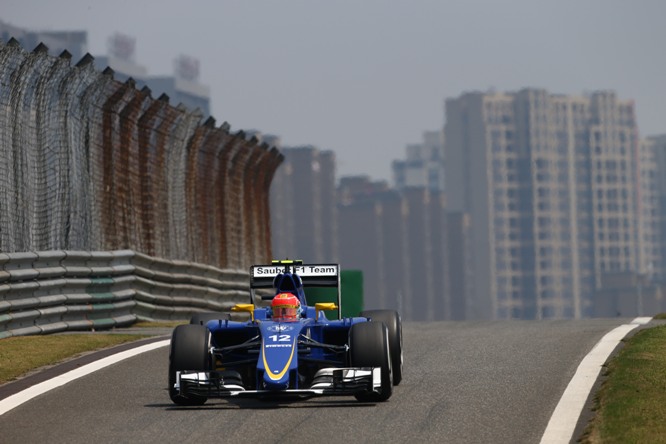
563,421
19,398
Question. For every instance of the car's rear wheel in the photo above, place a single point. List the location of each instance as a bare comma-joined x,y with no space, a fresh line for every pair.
392,320
369,347
189,351
203,318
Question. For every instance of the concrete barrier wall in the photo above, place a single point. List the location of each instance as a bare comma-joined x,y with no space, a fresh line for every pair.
53,291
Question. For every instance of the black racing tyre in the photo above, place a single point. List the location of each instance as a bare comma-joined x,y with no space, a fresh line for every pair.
189,351
203,318
369,347
392,320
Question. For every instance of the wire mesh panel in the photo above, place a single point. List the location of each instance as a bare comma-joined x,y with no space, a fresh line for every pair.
91,163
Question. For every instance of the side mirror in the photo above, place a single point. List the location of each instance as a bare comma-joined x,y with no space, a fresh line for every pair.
324,306
244,307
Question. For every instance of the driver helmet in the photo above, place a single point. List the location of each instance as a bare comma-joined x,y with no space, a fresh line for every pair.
286,307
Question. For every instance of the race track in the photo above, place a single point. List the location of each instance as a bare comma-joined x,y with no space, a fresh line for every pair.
485,382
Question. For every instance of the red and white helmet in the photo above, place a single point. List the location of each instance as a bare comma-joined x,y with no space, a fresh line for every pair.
286,307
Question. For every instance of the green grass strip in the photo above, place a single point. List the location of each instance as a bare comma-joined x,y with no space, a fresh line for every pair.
21,354
631,404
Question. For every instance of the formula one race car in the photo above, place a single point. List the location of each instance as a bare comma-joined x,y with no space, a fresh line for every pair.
287,349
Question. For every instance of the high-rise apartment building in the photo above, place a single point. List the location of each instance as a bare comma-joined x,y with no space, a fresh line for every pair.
361,209
460,278
182,87
649,236
75,42
399,238
303,206
550,183
657,144
424,164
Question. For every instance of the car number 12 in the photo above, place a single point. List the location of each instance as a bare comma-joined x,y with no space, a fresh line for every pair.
279,338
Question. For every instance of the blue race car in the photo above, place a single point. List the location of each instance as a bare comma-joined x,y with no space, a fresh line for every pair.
287,349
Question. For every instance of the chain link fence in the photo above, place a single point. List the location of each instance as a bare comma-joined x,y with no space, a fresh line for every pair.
90,163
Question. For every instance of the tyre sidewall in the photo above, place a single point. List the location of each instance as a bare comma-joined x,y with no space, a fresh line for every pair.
391,319
369,347
188,351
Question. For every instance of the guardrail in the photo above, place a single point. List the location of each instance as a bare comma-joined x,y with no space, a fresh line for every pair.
54,291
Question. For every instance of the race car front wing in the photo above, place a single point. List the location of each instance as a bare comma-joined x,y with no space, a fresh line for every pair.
327,382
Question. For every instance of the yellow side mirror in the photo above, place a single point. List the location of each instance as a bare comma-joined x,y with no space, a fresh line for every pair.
324,306
244,307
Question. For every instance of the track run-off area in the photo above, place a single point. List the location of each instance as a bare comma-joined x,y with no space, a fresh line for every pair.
485,382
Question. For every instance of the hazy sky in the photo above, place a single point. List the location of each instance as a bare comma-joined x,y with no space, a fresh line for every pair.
364,78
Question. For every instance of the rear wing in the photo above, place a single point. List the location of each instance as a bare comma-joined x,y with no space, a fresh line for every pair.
312,275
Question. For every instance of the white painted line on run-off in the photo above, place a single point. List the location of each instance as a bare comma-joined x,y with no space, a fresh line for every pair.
565,417
23,396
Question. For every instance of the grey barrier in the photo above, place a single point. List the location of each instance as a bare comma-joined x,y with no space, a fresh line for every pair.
54,291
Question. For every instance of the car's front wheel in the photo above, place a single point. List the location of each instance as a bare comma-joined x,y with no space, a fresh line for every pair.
369,347
392,320
189,351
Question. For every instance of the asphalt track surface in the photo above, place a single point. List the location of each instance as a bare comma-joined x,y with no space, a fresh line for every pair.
464,382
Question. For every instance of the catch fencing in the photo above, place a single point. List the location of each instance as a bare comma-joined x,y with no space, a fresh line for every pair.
88,163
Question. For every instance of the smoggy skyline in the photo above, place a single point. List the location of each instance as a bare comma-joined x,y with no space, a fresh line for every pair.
365,79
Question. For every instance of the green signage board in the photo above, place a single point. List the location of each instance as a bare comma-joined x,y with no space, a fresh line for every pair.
351,285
